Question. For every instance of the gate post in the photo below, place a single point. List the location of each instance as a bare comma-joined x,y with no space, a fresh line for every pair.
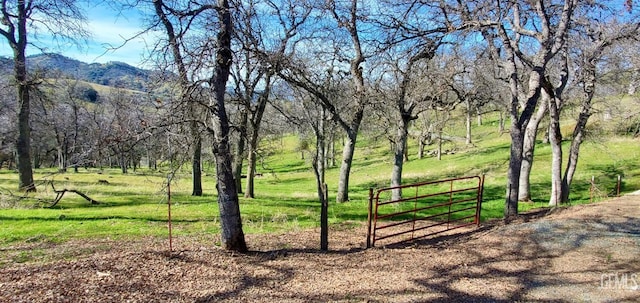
480,197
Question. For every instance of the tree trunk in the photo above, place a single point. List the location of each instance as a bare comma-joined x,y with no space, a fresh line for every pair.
398,158
60,156
23,143
634,83
501,123
228,202
122,160
578,132
528,148
517,141
555,138
324,217
439,151
513,172
254,135
319,168
251,170
196,165
174,44
468,123
345,169
332,150
355,69
238,158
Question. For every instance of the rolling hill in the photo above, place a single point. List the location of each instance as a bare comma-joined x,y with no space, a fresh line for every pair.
114,74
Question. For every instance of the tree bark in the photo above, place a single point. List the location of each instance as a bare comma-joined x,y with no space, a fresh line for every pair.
517,141
528,148
228,202
555,138
342,194
468,122
574,150
238,158
519,122
251,172
196,162
439,151
398,158
319,170
23,143
501,122
254,135
588,85
355,70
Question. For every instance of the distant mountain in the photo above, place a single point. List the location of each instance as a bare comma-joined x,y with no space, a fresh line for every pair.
114,74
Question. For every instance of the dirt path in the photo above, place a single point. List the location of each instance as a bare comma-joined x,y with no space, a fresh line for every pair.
585,253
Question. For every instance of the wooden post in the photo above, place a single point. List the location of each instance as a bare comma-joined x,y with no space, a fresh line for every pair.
618,187
479,202
591,188
324,219
169,214
369,217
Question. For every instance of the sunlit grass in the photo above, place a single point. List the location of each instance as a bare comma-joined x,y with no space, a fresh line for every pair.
135,205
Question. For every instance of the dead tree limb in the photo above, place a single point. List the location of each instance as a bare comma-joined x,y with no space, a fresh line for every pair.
60,194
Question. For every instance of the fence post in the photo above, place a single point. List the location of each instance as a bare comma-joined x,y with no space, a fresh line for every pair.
591,189
618,187
479,202
169,213
369,217
324,219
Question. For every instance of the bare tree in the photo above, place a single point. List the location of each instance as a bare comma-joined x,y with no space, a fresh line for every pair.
124,123
409,92
260,54
509,27
7,122
590,41
349,18
342,37
63,19
304,111
232,234
210,66
59,111
175,44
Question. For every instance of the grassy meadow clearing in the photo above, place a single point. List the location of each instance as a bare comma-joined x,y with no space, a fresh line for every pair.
135,205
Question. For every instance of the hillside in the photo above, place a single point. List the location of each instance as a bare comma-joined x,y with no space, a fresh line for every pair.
114,74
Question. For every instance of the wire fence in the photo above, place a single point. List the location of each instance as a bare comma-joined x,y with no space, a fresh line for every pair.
598,192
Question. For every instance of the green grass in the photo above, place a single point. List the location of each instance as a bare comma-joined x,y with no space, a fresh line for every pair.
135,205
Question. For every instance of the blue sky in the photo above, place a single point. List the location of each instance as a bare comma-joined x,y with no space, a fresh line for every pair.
109,28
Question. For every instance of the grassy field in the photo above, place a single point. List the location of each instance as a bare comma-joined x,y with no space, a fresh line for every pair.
135,205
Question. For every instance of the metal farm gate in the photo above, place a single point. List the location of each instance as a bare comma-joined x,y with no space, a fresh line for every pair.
423,209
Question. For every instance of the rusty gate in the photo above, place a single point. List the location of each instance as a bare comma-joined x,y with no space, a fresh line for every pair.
420,210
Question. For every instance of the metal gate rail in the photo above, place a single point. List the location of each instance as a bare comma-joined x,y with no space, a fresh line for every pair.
421,210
